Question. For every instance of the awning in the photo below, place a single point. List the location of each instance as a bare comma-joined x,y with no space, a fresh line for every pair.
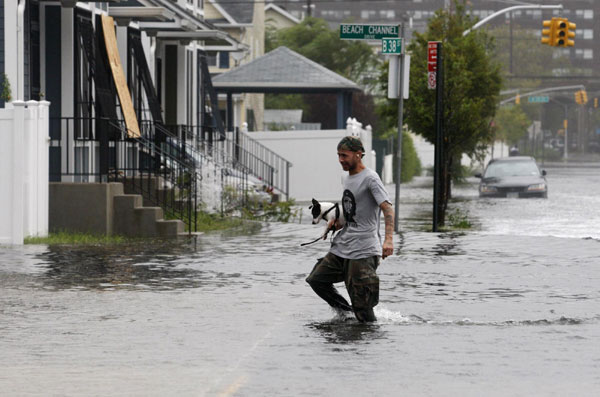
71,3
213,39
123,15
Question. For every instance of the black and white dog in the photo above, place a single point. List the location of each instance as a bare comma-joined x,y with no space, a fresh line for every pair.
328,212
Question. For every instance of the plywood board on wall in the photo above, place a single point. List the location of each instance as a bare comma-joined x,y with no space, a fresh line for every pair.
110,38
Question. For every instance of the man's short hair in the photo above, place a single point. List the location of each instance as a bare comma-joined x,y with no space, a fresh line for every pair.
351,143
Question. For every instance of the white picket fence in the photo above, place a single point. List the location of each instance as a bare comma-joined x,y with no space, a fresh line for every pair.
24,171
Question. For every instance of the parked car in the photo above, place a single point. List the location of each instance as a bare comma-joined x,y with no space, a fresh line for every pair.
517,176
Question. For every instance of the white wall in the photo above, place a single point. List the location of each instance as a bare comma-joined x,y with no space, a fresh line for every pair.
315,172
24,171
425,151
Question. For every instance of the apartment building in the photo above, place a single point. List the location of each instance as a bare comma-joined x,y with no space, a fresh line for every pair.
585,55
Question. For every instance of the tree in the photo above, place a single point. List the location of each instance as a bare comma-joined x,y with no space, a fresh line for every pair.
354,60
315,40
472,84
511,124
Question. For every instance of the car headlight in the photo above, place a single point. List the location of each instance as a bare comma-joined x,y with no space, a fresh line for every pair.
538,187
488,189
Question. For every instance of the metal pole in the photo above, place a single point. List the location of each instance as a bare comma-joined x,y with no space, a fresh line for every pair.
400,123
566,147
510,68
509,9
438,138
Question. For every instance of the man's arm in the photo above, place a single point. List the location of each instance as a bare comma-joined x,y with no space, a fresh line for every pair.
388,216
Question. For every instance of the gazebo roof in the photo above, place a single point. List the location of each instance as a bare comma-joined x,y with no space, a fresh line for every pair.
282,71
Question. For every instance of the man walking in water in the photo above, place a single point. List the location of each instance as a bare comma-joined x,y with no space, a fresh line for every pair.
355,250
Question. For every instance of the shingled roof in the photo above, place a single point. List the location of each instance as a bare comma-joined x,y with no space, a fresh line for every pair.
282,70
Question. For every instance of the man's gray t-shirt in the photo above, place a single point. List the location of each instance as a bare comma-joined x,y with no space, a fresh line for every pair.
363,194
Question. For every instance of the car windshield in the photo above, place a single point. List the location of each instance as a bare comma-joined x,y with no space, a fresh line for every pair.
499,169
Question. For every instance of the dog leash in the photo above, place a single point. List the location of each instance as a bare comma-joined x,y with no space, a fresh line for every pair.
320,237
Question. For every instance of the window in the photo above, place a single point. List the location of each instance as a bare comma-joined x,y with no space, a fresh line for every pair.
387,14
588,54
211,58
588,34
224,60
585,14
366,14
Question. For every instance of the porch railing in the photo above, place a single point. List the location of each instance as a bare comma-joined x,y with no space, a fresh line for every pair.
99,150
238,149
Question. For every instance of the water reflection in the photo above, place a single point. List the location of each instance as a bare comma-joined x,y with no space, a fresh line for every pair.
449,244
347,331
151,265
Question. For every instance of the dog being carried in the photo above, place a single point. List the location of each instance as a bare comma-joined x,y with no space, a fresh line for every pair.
330,213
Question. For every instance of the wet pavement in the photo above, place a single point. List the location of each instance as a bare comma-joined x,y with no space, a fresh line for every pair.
509,307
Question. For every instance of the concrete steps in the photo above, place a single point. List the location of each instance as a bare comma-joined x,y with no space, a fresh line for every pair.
133,219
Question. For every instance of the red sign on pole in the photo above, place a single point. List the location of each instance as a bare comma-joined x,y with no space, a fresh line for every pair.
432,63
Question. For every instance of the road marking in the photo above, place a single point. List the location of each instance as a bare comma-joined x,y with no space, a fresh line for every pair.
235,386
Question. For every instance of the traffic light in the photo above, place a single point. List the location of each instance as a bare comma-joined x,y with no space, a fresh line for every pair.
549,33
558,32
518,99
595,102
564,32
581,97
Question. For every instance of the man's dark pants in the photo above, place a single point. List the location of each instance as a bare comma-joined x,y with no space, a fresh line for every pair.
360,278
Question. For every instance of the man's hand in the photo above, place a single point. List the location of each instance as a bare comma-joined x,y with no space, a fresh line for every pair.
388,249
333,224
388,216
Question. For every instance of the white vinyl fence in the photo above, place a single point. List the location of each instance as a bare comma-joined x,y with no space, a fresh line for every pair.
23,171
315,172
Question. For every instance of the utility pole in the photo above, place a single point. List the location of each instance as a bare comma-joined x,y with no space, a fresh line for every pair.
400,125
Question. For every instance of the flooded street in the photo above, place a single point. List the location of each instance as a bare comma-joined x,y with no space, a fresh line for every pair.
509,307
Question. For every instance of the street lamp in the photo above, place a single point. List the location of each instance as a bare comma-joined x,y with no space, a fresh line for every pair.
509,9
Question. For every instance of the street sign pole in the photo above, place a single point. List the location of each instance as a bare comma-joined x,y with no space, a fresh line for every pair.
400,124
439,109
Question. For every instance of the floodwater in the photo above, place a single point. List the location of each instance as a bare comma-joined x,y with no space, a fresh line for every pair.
509,307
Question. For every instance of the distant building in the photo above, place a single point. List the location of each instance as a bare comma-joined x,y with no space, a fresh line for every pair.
245,21
278,18
585,55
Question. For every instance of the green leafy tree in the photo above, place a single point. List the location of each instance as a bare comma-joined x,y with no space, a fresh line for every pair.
472,83
354,60
529,57
511,124
315,40
6,94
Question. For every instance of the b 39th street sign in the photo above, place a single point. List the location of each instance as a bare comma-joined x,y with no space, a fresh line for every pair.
367,32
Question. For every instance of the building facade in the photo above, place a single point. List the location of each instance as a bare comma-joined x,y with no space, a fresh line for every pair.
585,55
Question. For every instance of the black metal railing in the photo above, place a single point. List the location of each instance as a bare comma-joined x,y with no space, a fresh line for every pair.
170,166
237,149
101,150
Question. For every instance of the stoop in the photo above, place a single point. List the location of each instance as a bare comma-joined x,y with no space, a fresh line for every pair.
132,219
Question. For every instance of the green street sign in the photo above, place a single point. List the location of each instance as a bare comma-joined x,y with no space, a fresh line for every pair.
538,99
391,46
367,32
